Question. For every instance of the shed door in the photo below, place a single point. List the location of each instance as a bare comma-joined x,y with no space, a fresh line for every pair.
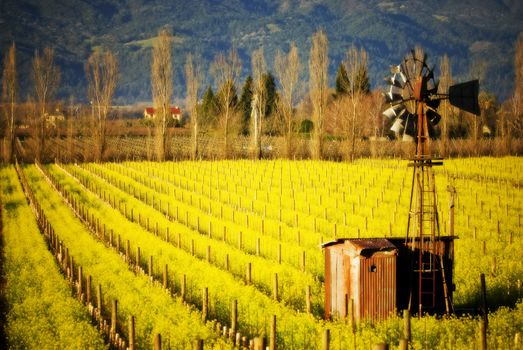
337,288
378,286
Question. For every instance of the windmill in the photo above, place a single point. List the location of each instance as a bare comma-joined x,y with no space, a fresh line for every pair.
412,100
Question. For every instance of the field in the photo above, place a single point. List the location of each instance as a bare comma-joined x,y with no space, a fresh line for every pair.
228,251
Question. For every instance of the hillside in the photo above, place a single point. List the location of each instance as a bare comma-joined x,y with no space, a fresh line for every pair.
471,32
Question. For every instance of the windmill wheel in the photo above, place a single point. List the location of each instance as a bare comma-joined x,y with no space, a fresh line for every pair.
412,86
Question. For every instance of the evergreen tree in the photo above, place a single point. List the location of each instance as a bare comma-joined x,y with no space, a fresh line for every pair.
342,81
208,107
245,105
362,83
270,92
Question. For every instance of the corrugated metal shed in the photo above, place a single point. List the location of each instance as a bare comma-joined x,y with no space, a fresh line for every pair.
363,270
376,274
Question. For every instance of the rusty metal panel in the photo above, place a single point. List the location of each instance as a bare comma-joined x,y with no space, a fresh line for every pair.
328,283
364,246
378,286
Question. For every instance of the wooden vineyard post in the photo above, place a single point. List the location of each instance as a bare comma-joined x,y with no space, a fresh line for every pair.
240,240
205,303
352,321
275,287
482,334
279,253
326,339
259,344
272,341
127,250
114,312
80,284
183,287
404,344
71,268
406,325
197,344
234,316
138,257
165,280
131,333
380,346
157,342
308,299
302,261
248,273
484,307
150,267
88,289
99,300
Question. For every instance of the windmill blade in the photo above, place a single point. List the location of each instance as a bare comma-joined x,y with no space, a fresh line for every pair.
433,117
395,81
411,125
393,98
394,111
399,124
465,96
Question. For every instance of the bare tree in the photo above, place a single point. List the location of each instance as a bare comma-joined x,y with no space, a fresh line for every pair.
355,63
193,79
318,86
515,120
226,70
46,77
259,100
288,69
9,93
162,89
444,83
102,75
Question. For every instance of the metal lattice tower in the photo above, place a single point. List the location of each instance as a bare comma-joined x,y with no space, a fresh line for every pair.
413,99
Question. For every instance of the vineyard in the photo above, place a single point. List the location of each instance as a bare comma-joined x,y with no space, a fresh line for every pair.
225,254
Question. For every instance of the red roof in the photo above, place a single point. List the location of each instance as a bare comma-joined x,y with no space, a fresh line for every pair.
174,110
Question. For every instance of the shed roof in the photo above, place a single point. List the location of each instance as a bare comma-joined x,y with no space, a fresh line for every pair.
364,245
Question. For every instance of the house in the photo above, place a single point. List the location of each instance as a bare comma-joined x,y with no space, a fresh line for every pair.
150,113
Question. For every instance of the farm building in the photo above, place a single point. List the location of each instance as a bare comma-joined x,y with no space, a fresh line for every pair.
379,276
150,113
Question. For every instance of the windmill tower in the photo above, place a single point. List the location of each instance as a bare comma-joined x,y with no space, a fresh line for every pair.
371,278
412,100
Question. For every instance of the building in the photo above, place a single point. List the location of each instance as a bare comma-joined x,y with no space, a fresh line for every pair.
176,113
379,276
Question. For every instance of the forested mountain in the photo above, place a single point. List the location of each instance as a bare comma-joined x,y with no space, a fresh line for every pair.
478,35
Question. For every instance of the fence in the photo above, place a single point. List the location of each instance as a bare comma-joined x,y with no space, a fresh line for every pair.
81,149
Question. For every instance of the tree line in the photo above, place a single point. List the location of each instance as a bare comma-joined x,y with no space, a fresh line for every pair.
276,103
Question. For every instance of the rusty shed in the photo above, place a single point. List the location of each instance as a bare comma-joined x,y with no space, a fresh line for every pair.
379,275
